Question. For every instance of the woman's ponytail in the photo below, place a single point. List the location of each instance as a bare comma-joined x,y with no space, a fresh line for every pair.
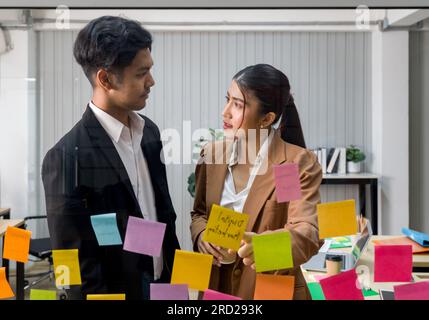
290,125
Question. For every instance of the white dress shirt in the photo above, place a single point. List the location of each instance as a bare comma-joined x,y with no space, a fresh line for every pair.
230,198
127,142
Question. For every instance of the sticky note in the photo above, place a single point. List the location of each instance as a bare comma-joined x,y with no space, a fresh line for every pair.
215,295
319,277
66,266
272,251
106,229
5,289
412,291
369,293
16,244
144,236
225,227
166,291
342,286
393,263
274,287
315,291
36,294
336,219
288,186
192,268
119,296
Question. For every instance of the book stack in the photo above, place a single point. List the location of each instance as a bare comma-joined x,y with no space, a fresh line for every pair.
332,160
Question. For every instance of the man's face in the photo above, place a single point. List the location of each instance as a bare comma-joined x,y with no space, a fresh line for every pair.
132,91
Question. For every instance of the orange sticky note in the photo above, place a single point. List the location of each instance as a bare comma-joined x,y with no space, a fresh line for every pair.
119,296
5,289
16,244
274,287
337,219
192,268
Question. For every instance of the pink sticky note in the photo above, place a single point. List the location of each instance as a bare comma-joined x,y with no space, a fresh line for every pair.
144,236
393,263
343,286
288,186
215,295
166,291
413,291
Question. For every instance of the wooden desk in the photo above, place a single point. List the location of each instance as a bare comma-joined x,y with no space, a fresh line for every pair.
362,180
18,223
365,265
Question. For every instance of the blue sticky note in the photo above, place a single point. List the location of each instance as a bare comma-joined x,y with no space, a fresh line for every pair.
106,229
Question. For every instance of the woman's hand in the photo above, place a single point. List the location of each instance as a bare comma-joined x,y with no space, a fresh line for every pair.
207,248
246,249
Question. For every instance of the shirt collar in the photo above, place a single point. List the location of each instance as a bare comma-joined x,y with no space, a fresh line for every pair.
263,151
113,126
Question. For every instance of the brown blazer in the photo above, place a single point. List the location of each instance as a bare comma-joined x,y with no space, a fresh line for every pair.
298,217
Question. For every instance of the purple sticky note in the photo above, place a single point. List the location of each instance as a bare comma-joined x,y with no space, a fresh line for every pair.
288,186
413,291
166,291
343,286
144,236
393,263
215,295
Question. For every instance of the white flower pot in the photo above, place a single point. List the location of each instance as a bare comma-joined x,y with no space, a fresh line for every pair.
353,167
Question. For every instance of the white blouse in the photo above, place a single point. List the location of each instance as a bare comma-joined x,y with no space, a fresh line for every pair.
230,198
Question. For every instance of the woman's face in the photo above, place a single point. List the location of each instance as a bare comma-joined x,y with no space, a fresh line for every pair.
236,115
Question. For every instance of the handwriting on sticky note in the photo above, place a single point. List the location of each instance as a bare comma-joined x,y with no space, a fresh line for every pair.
274,287
272,251
118,296
166,291
17,244
5,289
144,236
225,227
393,263
106,229
37,294
215,295
336,219
342,286
67,268
412,291
192,268
288,186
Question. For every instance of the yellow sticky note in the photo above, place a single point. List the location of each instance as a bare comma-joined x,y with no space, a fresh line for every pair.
337,219
66,266
119,296
192,268
272,251
36,294
16,244
5,289
225,227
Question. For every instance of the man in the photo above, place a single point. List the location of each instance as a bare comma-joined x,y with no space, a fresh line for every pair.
110,162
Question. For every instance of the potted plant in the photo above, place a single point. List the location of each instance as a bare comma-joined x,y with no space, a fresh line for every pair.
354,159
216,135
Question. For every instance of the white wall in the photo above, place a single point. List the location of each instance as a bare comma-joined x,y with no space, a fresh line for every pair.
390,127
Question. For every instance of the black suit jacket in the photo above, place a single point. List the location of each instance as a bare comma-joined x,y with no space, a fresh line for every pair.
83,175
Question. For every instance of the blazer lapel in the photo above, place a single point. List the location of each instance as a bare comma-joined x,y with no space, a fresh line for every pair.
103,142
264,184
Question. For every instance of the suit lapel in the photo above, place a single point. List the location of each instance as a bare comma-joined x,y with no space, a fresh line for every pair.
102,141
264,183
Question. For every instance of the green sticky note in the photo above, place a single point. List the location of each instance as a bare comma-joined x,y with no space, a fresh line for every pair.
316,291
36,294
272,251
369,293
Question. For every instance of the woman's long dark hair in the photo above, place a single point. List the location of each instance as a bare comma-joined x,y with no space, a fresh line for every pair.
271,87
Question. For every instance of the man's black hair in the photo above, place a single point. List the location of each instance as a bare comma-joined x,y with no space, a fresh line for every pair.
111,43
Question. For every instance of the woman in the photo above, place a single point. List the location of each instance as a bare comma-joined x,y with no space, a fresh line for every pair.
258,97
